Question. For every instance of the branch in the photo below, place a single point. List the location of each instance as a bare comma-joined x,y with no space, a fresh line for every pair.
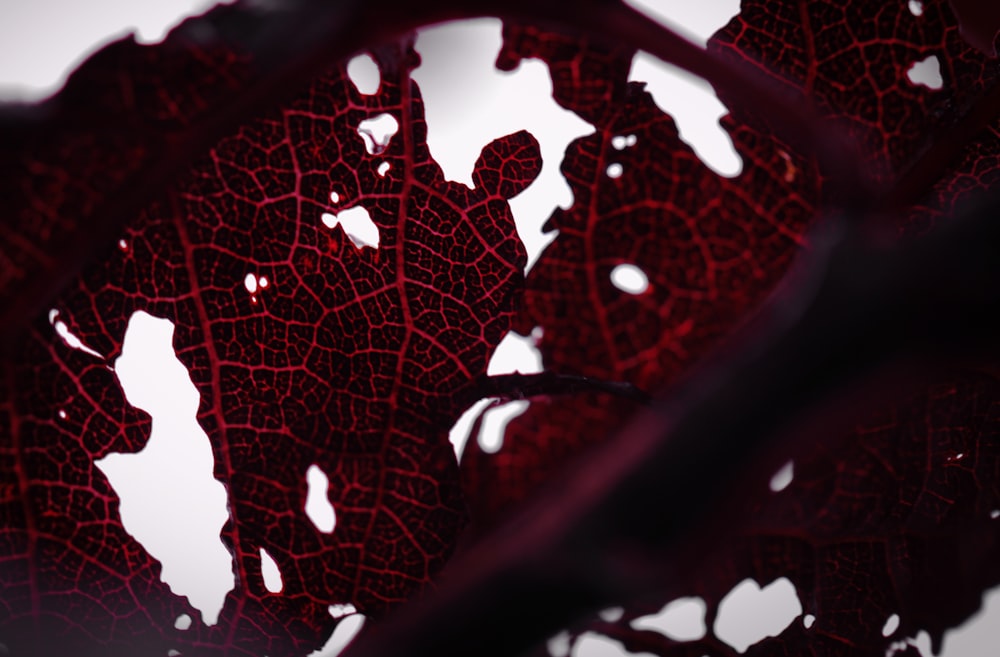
523,386
855,311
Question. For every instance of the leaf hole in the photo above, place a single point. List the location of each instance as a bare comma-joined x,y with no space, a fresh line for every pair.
383,169
493,103
343,634
123,245
458,436
318,507
62,414
748,613
377,132
495,422
183,622
921,645
270,573
926,72
621,142
916,7
168,489
808,620
67,336
995,513
334,197
611,614
339,611
357,224
364,73
629,279
783,477
592,644
558,645
694,106
682,619
891,625
516,353
614,170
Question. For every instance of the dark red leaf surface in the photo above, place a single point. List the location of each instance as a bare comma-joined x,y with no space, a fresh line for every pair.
358,360
891,522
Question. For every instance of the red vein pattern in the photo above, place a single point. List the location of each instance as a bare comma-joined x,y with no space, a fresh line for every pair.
355,359
897,519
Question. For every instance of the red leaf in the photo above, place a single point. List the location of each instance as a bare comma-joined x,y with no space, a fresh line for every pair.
358,360
712,249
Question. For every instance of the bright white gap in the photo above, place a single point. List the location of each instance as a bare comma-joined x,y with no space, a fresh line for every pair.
318,507
695,108
383,169
342,636
495,422
682,619
339,611
922,644
459,434
696,21
270,573
611,614
558,646
977,637
250,283
356,223
926,72
621,142
591,644
783,477
183,622
748,614
515,353
916,7
377,132
364,73
629,279
688,99
170,501
808,620
614,170
995,513
42,41
891,625
70,339
469,103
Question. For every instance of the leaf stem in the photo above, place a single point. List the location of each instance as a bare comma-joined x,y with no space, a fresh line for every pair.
523,386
